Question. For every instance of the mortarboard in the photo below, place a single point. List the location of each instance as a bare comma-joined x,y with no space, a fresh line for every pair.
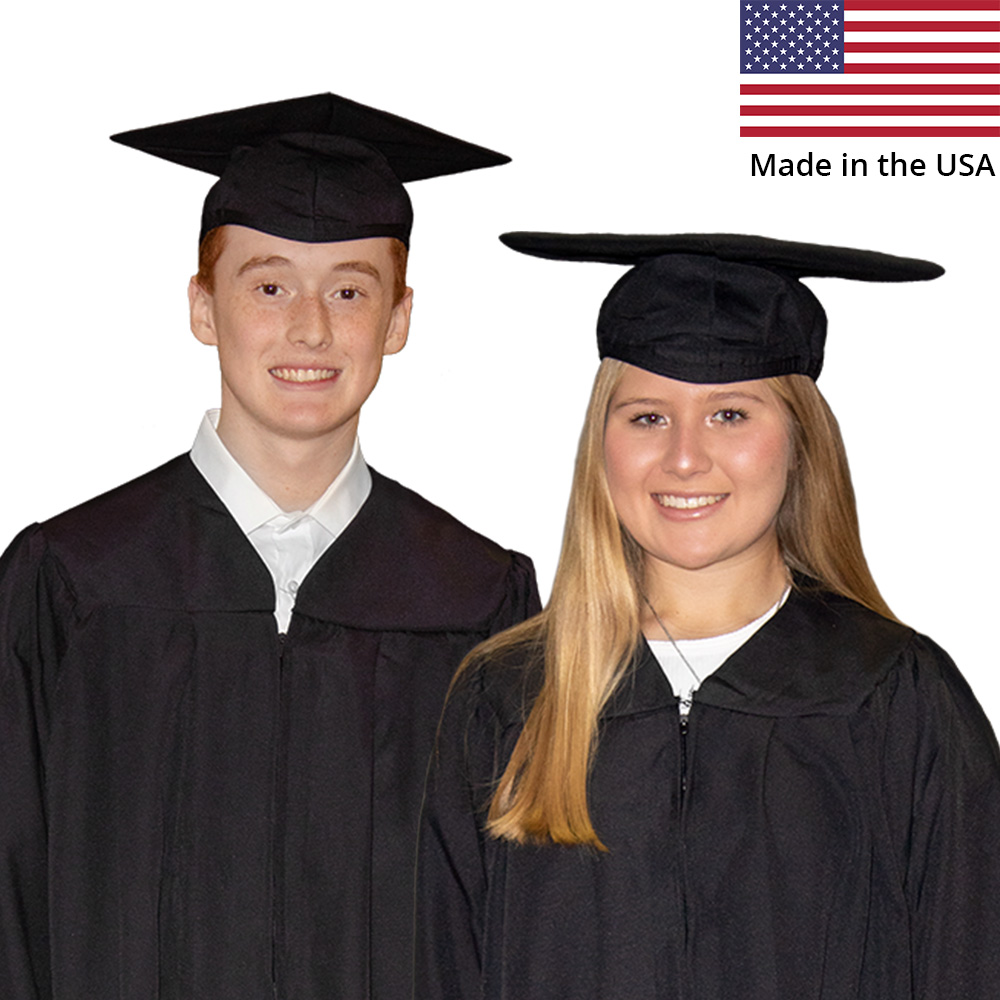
717,308
316,169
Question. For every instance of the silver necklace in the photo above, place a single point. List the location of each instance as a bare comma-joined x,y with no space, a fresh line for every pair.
685,703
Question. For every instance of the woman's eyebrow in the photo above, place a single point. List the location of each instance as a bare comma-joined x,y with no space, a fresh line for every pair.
639,401
734,394
713,397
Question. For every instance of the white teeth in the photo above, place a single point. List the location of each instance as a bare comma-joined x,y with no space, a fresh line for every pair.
303,374
687,503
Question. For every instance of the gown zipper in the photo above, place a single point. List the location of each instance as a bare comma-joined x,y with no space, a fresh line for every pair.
276,782
683,989
685,709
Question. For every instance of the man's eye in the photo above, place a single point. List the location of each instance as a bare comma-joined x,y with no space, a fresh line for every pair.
348,294
268,288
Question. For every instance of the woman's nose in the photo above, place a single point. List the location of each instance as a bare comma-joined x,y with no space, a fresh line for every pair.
686,452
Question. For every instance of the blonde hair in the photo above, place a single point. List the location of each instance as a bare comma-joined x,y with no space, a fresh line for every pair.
818,521
589,632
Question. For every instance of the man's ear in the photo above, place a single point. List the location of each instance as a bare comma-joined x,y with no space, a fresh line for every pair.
399,324
202,315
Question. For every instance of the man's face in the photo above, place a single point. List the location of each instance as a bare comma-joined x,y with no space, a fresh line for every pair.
301,330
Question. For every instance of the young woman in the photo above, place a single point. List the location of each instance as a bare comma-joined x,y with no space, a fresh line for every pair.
715,766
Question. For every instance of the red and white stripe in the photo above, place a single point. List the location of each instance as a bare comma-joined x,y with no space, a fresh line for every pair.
912,68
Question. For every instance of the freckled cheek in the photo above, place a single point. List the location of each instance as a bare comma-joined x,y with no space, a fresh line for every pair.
247,328
361,348
358,330
246,311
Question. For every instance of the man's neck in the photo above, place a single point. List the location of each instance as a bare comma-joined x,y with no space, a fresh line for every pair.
293,472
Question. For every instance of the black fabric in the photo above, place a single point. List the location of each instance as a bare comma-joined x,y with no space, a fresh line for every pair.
722,307
700,319
194,807
316,169
310,188
828,826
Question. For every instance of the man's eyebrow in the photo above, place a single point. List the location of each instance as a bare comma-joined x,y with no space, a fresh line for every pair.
362,266
274,260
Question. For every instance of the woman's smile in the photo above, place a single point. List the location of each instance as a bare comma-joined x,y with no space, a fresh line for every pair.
694,505
697,473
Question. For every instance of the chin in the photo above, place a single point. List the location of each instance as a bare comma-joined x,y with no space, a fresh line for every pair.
694,564
703,557
312,422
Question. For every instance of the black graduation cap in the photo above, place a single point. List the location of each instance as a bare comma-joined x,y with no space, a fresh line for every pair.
720,307
315,169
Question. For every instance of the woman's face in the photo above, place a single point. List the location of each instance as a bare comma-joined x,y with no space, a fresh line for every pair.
697,472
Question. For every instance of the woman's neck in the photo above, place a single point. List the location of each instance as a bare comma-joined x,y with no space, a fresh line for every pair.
694,604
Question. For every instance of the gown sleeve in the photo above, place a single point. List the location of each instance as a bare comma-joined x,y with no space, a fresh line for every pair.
29,652
451,865
941,776
521,598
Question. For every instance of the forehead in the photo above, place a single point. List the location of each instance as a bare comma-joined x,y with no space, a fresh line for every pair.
243,244
637,383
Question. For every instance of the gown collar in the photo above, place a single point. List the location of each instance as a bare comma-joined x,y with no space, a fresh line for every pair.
820,654
401,563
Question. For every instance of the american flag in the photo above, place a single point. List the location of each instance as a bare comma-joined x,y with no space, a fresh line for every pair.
870,68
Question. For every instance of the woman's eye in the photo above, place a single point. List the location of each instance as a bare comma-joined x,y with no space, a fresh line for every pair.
648,419
729,416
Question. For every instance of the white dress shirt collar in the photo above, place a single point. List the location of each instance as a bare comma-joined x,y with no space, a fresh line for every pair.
251,507
289,542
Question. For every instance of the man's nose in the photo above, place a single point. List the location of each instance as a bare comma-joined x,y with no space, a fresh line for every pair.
310,325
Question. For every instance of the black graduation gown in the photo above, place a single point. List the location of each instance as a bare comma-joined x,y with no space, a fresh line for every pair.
194,807
826,827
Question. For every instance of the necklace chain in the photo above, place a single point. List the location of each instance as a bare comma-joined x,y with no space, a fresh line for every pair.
686,702
673,642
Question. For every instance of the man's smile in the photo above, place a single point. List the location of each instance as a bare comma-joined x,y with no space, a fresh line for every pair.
304,374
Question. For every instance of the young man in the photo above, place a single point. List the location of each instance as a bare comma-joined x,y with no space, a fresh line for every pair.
220,683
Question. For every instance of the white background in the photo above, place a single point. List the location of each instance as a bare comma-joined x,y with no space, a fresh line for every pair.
623,121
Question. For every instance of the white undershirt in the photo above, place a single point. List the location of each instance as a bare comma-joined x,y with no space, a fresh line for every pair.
289,542
704,655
